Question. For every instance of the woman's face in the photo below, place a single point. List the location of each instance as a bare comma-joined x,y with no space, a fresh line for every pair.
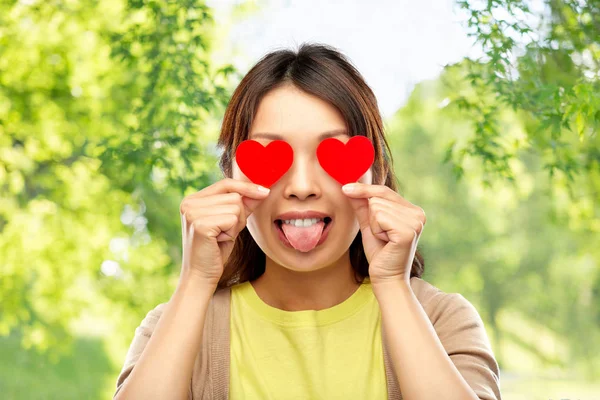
300,119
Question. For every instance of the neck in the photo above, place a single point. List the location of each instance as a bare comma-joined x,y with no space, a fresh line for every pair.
291,290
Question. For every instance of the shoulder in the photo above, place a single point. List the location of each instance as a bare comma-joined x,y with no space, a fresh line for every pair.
441,306
462,333
149,322
428,295
218,298
425,291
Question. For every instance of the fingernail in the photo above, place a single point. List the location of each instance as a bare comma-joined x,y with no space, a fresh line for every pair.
263,189
348,188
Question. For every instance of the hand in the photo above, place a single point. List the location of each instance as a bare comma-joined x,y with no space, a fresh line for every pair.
211,219
390,227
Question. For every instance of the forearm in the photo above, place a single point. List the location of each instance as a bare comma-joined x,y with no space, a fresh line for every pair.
164,369
423,368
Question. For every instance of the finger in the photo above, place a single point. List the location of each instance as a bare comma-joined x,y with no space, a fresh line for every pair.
229,203
228,232
413,216
196,213
375,214
209,202
229,185
361,210
252,194
213,225
361,207
386,215
249,204
399,225
215,199
365,190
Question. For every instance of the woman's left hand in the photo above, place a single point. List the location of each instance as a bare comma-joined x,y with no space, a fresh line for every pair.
390,227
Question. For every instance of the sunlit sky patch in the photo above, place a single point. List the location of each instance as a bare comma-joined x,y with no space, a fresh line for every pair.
394,43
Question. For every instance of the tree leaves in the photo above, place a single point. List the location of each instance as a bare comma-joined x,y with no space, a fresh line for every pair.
104,106
553,76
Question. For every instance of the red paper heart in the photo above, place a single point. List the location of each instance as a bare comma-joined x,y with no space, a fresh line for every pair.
264,165
346,163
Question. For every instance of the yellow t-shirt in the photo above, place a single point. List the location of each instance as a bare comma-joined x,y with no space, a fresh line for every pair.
335,353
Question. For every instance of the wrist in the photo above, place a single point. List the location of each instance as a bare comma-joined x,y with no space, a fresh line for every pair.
382,287
194,284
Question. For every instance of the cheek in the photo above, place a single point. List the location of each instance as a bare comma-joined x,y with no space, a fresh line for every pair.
349,216
367,177
256,231
251,222
257,222
346,215
236,173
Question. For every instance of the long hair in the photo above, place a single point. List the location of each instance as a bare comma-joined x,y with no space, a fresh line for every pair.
322,71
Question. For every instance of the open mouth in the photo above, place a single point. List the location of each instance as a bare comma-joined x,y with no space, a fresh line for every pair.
327,221
281,234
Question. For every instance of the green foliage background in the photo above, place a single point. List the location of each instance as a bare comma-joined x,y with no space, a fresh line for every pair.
109,112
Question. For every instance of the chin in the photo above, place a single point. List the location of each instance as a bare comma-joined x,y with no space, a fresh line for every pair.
303,263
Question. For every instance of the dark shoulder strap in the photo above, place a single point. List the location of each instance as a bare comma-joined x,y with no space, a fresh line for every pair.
392,382
210,376
219,371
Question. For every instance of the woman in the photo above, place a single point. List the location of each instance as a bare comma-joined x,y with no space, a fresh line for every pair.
272,306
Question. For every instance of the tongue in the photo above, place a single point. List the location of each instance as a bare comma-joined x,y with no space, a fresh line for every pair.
303,238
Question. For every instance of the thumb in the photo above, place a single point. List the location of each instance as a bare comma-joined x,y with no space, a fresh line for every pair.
361,209
250,204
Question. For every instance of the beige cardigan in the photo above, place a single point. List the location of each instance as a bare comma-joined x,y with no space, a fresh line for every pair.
456,322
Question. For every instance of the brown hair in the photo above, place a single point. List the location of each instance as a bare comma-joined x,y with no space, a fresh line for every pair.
322,71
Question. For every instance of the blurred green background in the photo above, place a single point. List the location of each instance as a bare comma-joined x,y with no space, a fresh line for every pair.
109,113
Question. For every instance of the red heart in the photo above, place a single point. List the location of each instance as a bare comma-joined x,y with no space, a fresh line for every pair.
346,163
264,165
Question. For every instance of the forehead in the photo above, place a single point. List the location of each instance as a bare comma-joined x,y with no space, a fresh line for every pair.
288,113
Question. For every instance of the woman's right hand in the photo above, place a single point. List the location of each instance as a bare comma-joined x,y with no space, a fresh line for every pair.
211,219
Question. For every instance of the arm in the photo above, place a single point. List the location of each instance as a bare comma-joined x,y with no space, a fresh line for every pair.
164,368
451,359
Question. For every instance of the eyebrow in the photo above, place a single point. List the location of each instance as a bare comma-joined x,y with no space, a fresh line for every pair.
323,135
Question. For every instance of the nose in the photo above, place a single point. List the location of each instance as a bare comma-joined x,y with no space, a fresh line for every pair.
302,179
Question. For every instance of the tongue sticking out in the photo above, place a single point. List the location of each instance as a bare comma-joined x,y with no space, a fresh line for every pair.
303,238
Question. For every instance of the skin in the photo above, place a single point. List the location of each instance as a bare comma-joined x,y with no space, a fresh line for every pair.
323,277
390,226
